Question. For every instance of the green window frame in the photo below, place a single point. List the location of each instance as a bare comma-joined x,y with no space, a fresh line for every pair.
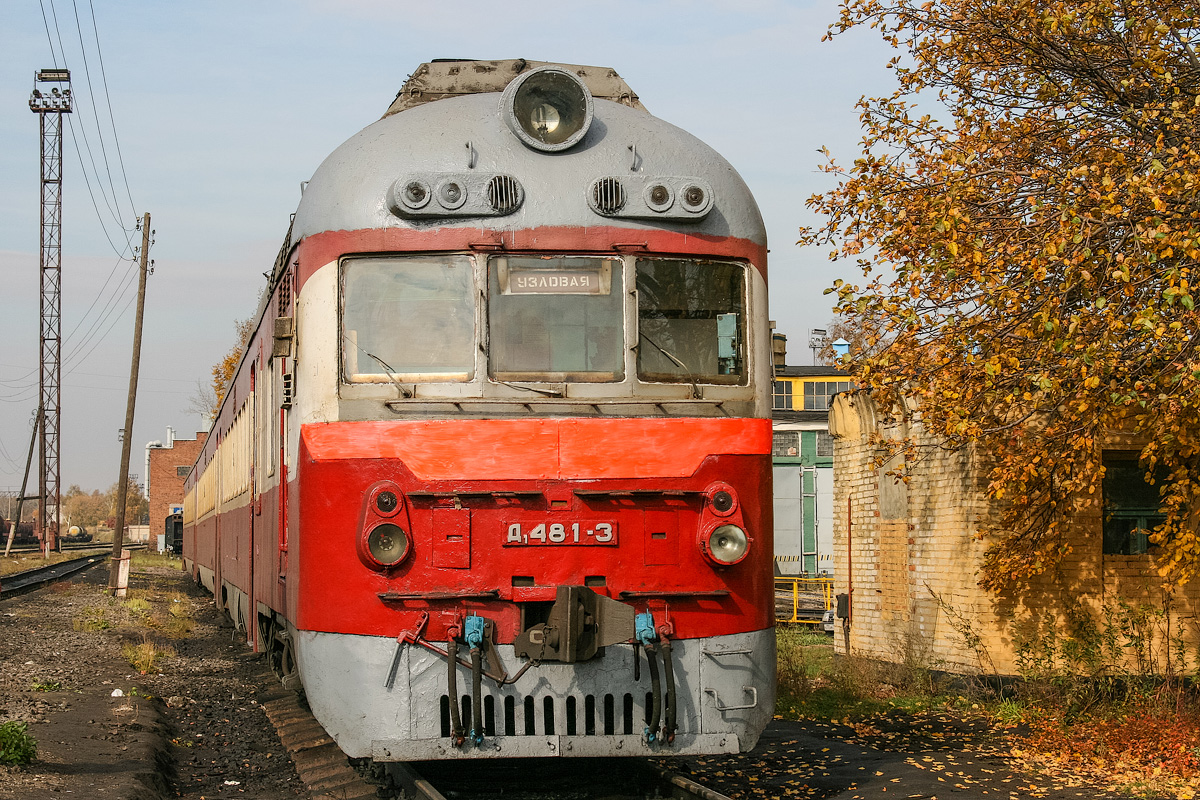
1131,504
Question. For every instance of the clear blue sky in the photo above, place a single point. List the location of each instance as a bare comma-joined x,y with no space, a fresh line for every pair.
222,108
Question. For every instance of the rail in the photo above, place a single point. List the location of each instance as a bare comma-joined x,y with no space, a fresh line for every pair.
32,579
326,771
802,600
25,549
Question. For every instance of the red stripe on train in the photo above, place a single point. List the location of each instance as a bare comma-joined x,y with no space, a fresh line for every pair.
478,449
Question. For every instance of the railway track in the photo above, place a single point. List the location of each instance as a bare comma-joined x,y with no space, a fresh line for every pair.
70,548
31,579
327,772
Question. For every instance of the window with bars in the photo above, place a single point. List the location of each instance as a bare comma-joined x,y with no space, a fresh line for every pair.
785,443
183,472
819,394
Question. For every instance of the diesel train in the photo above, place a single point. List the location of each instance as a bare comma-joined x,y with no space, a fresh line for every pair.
493,477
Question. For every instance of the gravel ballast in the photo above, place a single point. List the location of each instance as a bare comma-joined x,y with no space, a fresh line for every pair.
193,725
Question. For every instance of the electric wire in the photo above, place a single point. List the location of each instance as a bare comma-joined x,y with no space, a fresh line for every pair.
102,323
61,55
91,98
108,102
72,360
22,381
116,318
72,344
87,181
27,394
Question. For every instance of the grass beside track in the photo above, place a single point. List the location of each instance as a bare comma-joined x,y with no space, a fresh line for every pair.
19,562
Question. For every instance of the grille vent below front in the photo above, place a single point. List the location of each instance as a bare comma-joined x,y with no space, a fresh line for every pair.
504,194
605,715
608,195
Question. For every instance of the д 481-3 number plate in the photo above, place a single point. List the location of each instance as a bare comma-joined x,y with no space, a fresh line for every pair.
601,533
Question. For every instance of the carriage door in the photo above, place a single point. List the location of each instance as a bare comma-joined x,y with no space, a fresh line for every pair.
255,505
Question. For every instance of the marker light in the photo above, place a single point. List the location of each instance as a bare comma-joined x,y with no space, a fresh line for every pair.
727,544
548,108
387,502
387,544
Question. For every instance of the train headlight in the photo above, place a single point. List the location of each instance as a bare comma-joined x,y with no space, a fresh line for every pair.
387,544
722,499
548,108
727,544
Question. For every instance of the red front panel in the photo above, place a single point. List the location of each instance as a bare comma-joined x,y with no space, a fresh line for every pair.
518,507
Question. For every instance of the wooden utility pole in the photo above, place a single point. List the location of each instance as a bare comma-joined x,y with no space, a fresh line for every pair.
116,581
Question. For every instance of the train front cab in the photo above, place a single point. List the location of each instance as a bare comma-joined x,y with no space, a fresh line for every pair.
605,487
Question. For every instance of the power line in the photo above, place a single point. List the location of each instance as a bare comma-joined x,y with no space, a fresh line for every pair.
116,319
91,195
108,102
100,183
117,295
69,339
87,74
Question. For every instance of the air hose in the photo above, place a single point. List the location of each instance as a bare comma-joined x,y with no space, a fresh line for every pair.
656,690
475,629
669,674
456,730
476,696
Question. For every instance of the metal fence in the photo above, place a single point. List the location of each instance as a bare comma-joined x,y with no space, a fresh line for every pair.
803,600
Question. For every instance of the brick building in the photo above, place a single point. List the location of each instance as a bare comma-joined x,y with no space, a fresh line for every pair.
168,467
910,559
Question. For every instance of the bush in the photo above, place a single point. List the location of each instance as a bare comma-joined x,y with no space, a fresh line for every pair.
16,746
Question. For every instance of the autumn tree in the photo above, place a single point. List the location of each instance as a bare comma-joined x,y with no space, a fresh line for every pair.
137,505
206,401
84,509
1030,259
860,334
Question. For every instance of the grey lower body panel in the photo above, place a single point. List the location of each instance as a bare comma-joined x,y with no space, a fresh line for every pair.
725,690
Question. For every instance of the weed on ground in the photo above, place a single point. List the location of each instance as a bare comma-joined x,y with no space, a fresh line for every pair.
813,684
148,656
16,745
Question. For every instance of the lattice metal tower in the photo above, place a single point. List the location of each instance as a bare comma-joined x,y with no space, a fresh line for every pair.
51,99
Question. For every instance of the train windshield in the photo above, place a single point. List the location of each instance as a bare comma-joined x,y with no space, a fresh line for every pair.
412,317
691,321
555,318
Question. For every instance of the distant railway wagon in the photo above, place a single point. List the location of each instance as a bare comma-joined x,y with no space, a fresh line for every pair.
493,478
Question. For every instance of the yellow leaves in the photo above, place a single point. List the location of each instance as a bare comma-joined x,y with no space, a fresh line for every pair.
1031,234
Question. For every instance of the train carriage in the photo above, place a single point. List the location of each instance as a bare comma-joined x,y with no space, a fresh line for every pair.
493,476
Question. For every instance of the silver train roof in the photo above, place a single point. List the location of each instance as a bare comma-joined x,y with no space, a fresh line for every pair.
448,119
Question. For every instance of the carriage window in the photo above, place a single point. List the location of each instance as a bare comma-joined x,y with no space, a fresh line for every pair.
691,321
555,318
408,317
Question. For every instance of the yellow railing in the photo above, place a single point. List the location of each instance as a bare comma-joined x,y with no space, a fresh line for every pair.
794,595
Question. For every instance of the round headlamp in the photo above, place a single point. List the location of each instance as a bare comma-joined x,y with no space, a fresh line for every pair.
727,544
387,544
548,108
